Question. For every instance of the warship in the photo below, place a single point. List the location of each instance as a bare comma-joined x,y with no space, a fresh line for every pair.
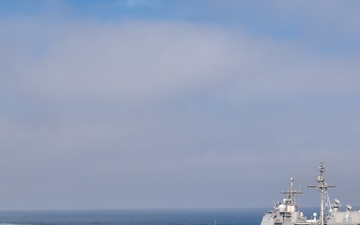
287,212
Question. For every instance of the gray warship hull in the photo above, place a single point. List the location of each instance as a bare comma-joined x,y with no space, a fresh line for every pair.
288,213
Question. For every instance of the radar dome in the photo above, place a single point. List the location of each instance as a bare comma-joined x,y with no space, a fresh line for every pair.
348,207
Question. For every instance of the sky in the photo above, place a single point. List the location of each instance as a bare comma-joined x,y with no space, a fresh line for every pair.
129,104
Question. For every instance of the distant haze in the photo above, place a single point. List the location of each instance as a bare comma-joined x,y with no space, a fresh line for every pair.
177,104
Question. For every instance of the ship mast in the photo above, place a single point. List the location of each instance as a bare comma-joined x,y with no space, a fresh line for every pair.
292,192
323,188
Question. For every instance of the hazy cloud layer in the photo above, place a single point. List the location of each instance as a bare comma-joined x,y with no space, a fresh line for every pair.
138,114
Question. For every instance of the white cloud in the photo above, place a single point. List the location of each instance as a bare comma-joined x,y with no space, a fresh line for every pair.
133,60
154,4
114,103
140,61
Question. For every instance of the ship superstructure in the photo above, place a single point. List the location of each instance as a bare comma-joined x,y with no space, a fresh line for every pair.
288,213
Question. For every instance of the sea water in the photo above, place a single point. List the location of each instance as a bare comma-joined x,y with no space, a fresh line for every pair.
134,217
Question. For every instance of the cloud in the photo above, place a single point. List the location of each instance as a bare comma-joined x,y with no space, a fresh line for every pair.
139,60
124,108
133,4
133,60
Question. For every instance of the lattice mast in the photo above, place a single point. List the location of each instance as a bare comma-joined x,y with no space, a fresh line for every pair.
324,196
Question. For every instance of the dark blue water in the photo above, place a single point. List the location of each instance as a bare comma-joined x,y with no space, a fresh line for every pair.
134,217
138,217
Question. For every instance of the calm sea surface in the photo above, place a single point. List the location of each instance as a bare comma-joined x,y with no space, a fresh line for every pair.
134,217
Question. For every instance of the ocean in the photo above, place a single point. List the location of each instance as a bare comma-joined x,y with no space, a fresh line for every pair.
135,217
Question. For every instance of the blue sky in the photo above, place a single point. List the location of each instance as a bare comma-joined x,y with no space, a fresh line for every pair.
176,104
